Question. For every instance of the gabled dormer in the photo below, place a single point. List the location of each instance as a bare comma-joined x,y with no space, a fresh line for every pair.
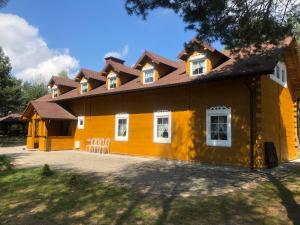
152,67
117,73
89,80
201,58
59,85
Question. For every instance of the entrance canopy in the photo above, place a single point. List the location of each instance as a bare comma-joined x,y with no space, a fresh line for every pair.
47,110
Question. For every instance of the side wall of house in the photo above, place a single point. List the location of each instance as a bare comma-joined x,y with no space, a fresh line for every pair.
188,105
279,119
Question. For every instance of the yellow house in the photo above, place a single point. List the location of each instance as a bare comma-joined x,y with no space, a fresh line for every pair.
206,106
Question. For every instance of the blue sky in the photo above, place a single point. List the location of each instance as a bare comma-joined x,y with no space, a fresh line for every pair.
88,30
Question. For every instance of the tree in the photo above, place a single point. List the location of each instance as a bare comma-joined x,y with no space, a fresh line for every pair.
32,91
63,74
3,3
235,23
10,87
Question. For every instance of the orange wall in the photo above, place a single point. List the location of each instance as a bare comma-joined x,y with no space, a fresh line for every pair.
60,143
188,106
279,118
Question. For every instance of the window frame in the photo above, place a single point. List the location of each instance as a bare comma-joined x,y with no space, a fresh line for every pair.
117,118
79,126
280,69
218,111
81,90
194,59
54,91
162,114
113,75
147,70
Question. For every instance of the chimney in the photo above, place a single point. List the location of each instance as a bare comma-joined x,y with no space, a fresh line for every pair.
121,61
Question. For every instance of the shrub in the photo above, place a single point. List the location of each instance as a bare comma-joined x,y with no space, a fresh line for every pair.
76,181
5,163
46,171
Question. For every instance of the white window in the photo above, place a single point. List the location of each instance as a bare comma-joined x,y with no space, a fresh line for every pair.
112,81
54,92
148,75
80,124
197,65
162,127
121,127
84,87
279,75
218,126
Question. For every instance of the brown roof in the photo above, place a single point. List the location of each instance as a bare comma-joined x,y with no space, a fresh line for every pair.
50,110
119,67
90,74
204,45
63,82
13,117
155,58
240,64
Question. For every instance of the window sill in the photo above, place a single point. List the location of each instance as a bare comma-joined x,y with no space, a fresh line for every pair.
218,144
121,139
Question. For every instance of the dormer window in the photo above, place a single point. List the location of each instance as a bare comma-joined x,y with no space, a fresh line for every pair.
112,81
54,91
83,86
148,75
197,65
279,74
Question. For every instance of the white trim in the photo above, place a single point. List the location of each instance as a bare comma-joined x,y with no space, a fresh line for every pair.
117,118
111,75
218,111
79,126
82,83
54,88
197,58
162,114
148,68
282,68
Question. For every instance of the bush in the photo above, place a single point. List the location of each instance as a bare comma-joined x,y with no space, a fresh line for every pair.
46,171
5,163
76,181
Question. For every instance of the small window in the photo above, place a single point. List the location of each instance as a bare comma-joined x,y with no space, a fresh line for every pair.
121,127
280,75
148,76
55,92
162,127
80,124
84,87
112,82
218,126
197,66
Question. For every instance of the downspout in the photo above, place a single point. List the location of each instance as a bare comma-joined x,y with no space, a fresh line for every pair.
251,121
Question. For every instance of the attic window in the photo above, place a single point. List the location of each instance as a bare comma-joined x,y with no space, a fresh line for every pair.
84,87
279,75
197,65
54,92
148,75
112,81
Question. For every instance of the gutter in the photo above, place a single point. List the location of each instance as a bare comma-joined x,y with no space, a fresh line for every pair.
251,121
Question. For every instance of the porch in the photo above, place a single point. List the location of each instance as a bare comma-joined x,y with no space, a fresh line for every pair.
50,129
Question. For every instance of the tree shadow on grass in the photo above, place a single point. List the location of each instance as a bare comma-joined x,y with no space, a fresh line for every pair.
287,199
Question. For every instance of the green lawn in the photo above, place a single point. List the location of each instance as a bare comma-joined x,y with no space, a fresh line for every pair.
28,198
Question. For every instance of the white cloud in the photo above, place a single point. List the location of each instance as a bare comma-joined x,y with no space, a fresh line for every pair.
121,54
29,54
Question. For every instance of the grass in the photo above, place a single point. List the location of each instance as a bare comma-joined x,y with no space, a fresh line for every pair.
26,197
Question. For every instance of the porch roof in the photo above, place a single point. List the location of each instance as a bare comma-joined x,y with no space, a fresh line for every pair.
48,110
